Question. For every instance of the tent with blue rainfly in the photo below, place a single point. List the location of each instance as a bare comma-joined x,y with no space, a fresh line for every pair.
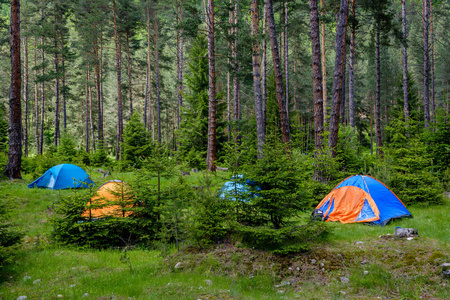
64,176
238,188
361,198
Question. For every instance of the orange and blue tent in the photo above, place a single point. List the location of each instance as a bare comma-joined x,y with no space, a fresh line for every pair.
364,199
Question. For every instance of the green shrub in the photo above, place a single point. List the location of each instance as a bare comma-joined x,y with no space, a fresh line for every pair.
9,236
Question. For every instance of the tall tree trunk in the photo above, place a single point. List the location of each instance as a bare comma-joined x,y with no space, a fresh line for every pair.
278,73
351,77
98,94
119,87
36,100
158,99
324,63
317,76
91,120
41,134
86,111
371,125
25,95
264,66
212,143
63,83
236,82
341,33
405,64
148,82
130,87
286,57
15,111
180,66
342,113
378,93
260,131
57,132
426,67
230,48
104,140
433,103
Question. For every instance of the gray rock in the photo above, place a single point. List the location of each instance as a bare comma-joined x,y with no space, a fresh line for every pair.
22,297
313,261
72,285
344,279
179,265
359,243
406,232
366,272
25,278
60,296
37,281
208,282
445,266
283,283
446,273
85,295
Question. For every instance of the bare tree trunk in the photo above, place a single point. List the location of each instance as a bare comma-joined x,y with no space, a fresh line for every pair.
260,131
433,104
236,82
98,94
405,64
57,132
130,87
86,111
324,64
148,83
41,134
377,94
426,67
63,83
294,96
317,75
286,57
119,87
91,121
264,65
278,73
25,95
371,126
12,170
230,47
351,78
341,33
36,100
212,143
103,133
180,66
158,99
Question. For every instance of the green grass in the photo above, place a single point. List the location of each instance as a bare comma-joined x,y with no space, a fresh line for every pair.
233,273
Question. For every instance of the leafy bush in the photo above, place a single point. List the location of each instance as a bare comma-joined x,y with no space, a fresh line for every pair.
9,237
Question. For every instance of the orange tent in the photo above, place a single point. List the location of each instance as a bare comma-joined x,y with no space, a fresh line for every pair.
111,199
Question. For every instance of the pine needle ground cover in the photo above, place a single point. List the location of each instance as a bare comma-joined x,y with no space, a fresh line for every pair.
355,263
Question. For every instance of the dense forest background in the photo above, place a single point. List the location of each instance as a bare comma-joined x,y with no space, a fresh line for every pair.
109,79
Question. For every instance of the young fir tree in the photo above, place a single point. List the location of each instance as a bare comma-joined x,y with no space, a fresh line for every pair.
136,144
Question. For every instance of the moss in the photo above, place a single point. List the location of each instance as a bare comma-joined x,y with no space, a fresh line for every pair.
435,255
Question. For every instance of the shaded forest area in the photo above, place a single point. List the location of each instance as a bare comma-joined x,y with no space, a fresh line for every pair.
354,86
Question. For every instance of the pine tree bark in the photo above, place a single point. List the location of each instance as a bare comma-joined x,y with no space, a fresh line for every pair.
351,74
98,95
278,73
36,99
86,111
324,63
63,82
91,120
13,165
236,82
119,87
25,95
341,32
256,60
379,140
264,66
158,99
426,67
148,86
405,64
57,131
230,48
317,77
286,57
433,103
212,143
180,66
342,113
41,134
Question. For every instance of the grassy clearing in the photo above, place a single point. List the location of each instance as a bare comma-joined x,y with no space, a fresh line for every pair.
395,269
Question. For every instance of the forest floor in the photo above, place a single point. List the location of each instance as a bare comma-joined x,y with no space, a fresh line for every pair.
356,262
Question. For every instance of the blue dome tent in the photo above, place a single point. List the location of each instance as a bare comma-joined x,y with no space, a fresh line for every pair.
238,188
64,176
361,198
